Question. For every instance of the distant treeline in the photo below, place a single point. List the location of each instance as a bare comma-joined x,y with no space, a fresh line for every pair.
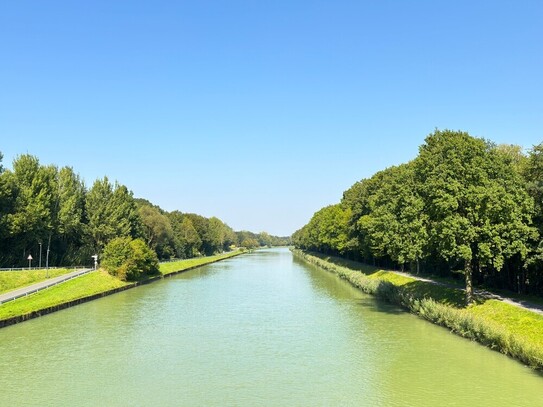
47,210
464,205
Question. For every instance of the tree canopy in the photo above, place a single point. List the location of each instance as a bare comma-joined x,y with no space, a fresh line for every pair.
47,210
463,205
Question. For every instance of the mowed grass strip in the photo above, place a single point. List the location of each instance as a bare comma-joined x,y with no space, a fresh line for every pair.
517,321
176,266
12,280
87,285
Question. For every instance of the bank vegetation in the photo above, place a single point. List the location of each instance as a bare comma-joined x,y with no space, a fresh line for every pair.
463,208
50,214
504,327
465,211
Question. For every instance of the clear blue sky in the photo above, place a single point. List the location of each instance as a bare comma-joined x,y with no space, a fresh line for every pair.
261,113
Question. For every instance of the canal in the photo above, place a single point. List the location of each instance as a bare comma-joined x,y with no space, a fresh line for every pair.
262,329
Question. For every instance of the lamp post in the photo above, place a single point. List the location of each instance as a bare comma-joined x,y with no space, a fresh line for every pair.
47,264
40,257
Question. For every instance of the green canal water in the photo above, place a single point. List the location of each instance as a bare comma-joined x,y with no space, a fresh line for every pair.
261,329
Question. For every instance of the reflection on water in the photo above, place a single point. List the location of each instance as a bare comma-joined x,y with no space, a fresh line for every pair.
259,329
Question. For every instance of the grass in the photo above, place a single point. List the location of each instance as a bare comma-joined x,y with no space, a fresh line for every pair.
12,280
518,321
86,286
504,327
186,264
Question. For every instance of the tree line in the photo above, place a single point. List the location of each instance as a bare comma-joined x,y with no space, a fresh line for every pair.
464,206
48,212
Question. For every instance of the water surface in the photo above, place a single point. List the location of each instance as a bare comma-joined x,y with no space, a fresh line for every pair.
259,329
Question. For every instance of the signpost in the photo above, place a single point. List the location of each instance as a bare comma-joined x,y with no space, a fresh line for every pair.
29,258
95,257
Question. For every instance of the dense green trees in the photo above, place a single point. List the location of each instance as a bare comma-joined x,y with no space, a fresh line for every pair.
464,205
111,212
187,241
48,212
129,259
251,240
327,231
157,229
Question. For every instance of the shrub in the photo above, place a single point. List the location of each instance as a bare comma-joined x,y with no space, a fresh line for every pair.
129,259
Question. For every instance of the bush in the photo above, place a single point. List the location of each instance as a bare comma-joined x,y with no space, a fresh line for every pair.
129,259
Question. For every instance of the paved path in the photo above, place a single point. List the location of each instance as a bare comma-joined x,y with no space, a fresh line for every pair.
21,292
530,306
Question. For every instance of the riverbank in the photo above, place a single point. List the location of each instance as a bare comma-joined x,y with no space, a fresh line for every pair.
500,326
12,280
89,287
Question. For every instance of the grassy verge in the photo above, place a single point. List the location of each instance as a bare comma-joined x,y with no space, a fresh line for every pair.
12,280
187,264
87,287
81,287
504,327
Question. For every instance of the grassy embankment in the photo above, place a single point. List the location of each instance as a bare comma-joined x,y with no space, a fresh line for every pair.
87,287
506,328
12,280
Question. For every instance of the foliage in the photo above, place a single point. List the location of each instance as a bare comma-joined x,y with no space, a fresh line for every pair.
129,259
479,212
261,239
157,230
327,231
250,243
462,205
186,264
187,241
111,212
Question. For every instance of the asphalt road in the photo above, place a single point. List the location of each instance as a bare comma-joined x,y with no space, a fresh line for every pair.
21,292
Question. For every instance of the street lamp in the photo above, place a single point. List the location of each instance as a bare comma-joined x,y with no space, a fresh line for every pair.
47,263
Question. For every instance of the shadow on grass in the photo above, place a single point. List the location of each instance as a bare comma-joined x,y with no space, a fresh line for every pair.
351,264
416,289
445,295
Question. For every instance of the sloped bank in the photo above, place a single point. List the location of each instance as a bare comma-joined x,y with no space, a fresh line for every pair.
90,287
520,336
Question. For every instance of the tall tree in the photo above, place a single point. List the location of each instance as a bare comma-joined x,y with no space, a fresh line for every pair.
187,240
396,225
111,212
478,211
157,230
34,215
533,176
71,206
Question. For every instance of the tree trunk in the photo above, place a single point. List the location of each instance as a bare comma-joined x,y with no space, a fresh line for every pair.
469,282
